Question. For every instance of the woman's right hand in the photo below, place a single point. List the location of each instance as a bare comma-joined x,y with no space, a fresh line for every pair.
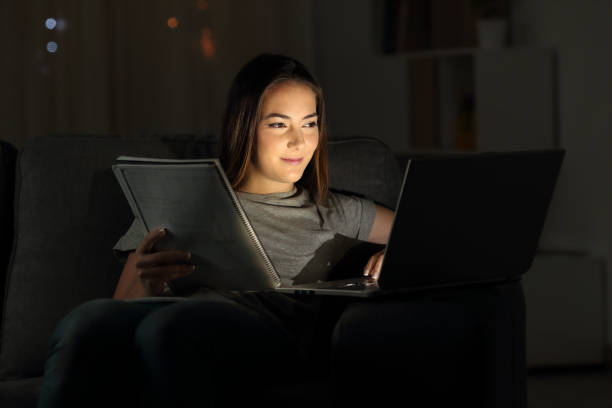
147,269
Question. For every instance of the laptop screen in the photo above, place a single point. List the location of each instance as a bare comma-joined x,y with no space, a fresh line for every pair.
470,216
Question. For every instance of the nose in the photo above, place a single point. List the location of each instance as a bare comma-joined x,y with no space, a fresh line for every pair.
296,139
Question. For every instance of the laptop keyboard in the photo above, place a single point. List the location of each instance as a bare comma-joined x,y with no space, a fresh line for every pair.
361,284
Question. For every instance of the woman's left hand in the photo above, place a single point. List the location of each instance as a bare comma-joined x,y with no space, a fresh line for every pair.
373,266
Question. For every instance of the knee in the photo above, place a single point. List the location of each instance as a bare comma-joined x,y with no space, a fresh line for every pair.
199,329
155,333
85,323
85,349
172,330
182,342
79,338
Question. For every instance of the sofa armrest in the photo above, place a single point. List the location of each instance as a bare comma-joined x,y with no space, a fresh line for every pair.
454,346
8,158
21,393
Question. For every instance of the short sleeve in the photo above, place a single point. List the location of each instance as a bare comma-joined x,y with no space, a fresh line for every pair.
351,215
130,240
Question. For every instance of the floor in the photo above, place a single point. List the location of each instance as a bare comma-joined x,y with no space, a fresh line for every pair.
590,388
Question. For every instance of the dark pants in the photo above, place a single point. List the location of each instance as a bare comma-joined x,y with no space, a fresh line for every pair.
218,350
227,350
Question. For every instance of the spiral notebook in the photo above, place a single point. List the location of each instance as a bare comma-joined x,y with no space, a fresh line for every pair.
195,202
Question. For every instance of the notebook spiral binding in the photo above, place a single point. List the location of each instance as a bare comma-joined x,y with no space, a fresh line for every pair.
245,221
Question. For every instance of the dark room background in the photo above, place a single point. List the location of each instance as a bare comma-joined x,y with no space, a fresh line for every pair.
415,76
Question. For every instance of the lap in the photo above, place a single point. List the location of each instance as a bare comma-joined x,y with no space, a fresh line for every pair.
435,311
365,323
211,314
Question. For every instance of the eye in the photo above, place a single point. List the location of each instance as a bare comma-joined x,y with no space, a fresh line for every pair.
276,125
311,124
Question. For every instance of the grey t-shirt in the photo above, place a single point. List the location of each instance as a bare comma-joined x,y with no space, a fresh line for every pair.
302,238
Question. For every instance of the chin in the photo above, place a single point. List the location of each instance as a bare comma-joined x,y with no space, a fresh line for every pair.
293,177
291,180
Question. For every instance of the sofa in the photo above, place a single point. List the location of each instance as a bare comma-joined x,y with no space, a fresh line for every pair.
68,210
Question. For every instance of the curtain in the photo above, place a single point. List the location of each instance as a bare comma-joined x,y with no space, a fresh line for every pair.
134,67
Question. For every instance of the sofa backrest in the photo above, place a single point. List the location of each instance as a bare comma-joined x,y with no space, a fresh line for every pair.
365,166
8,157
70,211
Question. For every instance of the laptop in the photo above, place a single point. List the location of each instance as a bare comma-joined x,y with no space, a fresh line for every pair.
460,219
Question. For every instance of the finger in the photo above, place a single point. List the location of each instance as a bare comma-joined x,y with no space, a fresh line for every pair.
168,257
378,266
147,243
165,273
368,268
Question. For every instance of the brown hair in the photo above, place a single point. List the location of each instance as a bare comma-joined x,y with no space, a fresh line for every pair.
239,130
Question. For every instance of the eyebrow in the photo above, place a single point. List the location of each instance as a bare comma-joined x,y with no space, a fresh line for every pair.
280,115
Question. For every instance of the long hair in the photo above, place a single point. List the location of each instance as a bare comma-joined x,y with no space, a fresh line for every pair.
239,130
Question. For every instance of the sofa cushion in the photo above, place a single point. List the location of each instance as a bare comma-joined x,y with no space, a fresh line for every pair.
70,211
364,166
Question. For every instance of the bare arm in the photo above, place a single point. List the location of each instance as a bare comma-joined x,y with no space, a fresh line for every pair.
382,225
379,235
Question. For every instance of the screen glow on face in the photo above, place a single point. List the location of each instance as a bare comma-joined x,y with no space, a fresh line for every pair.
287,137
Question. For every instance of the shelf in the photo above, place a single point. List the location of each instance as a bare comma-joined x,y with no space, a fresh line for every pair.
452,52
434,151
481,99
440,53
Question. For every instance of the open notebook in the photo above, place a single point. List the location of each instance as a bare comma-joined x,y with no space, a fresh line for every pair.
194,200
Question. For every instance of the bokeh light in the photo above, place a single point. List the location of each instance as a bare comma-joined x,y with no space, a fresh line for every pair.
202,5
50,23
173,22
52,47
61,24
206,43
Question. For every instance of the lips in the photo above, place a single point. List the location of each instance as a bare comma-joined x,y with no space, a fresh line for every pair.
292,161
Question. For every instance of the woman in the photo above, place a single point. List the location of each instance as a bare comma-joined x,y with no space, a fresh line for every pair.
273,150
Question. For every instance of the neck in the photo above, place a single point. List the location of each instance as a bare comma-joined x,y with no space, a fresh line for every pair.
265,189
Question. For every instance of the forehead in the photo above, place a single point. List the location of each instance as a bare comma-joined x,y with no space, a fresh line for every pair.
289,95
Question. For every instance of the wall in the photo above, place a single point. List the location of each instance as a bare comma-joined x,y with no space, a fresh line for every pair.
580,217
366,92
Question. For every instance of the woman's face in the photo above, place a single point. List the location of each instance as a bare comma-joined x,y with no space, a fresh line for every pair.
287,136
